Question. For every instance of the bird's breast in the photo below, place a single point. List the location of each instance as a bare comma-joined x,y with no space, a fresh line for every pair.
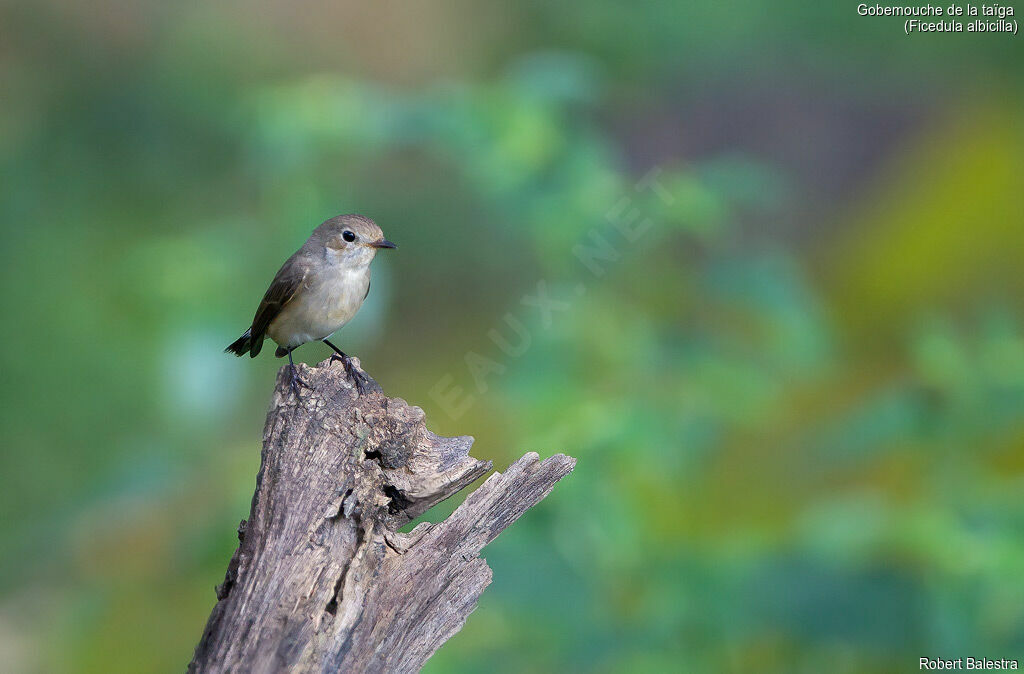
324,306
339,295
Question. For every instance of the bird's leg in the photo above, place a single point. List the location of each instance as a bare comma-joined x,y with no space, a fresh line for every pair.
338,353
358,377
295,380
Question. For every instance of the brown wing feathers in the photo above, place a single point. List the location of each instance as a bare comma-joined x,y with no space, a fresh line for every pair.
281,290
287,281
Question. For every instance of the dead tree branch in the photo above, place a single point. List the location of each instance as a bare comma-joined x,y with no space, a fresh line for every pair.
322,581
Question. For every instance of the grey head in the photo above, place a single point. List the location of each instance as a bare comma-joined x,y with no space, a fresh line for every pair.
350,239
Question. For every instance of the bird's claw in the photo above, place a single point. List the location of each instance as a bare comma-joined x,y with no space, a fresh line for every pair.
295,381
359,379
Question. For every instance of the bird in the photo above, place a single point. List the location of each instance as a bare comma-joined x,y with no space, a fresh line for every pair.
316,292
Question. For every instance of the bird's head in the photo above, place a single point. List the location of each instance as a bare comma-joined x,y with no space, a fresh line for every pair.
352,239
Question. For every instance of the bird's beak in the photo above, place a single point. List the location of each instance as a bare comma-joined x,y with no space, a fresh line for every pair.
383,243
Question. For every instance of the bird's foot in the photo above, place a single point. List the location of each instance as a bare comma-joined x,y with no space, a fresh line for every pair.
359,378
295,381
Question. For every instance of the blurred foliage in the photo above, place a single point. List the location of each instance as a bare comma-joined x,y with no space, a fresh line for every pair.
794,383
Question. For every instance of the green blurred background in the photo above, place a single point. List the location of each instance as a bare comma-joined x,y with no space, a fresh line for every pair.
796,395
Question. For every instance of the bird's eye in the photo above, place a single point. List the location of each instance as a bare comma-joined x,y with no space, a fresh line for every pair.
348,235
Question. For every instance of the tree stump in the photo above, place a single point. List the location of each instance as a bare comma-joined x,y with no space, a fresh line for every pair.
322,581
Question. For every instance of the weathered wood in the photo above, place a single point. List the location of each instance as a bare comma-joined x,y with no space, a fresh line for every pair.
322,581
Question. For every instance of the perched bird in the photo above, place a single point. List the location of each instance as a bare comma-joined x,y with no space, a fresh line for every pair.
317,291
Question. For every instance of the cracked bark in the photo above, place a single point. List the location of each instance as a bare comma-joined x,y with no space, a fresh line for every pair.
322,581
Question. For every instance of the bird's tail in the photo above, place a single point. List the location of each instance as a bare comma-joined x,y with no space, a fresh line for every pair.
241,346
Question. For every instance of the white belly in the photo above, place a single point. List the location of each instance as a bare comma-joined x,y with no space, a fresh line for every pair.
320,309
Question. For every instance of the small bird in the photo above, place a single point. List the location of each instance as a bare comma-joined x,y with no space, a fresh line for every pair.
316,292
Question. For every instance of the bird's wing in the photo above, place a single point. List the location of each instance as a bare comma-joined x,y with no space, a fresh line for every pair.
286,283
367,293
